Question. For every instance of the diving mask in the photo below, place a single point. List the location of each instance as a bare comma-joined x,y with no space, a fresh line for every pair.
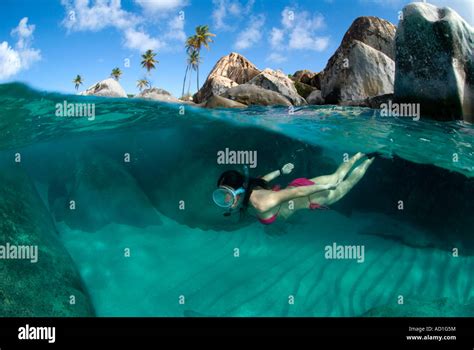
225,196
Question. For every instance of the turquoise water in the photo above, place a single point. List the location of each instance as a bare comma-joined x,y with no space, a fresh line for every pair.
139,252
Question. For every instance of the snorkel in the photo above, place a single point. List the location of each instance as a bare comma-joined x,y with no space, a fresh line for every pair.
227,197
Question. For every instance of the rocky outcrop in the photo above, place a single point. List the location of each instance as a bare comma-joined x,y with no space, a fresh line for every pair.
222,102
45,287
214,86
362,65
229,71
304,90
158,95
307,77
315,98
277,81
106,88
434,62
376,102
375,32
250,94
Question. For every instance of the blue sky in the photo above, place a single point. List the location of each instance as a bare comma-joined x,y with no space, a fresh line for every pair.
45,43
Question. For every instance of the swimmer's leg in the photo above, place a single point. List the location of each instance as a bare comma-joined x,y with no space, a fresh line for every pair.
340,173
344,187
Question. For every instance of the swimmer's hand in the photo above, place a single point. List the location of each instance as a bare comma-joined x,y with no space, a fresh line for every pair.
287,168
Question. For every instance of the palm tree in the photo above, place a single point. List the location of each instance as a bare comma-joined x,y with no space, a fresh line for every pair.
116,73
77,81
193,63
142,83
149,61
202,38
190,45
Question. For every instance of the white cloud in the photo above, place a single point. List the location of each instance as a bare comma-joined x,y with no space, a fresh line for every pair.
96,15
141,41
24,32
229,11
301,39
300,29
250,35
161,5
22,56
276,57
10,62
287,18
276,37
80,16
176,29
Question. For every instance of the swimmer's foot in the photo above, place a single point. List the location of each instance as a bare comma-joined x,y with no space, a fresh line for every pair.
372,155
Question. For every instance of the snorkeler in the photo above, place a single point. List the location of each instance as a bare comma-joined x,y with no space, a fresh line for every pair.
236,190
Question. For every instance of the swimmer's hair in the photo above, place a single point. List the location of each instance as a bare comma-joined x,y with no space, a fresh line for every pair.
236,179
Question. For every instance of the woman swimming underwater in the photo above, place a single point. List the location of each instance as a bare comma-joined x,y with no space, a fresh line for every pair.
236,190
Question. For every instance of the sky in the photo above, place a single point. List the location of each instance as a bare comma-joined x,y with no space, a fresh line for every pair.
46,43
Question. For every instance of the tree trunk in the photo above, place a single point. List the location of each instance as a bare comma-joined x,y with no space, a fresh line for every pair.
197,77
184,81
189,82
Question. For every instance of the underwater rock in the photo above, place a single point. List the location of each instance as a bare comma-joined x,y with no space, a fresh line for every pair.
275,80
315,98
229,71
434,62
46,287
222,102
362,65
158,95
106,88
105,192
249,94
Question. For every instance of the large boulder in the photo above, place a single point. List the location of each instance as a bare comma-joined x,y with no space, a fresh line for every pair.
277,81
250,94
222,102
304,90
307,77
357,72
214,86
435,62
228,72
376,32
107,88
158,95
315,98
362,66
48,286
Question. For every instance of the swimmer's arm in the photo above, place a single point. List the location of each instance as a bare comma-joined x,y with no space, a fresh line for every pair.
286,169
272,176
